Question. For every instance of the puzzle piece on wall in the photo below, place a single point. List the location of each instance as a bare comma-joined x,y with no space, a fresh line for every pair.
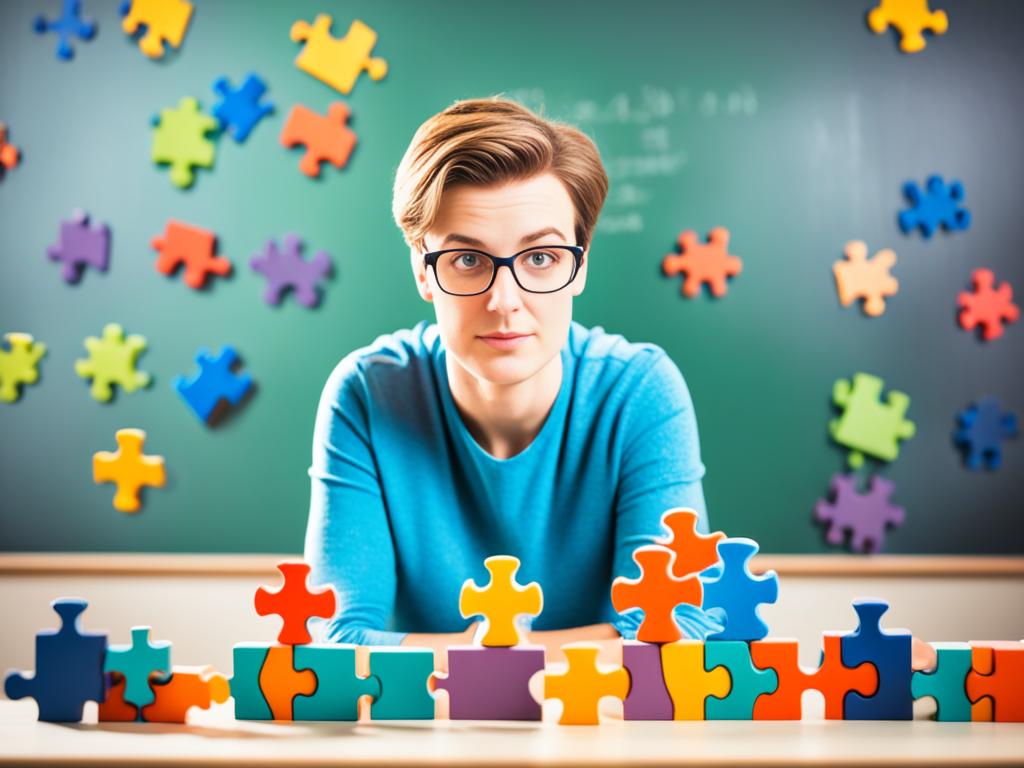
285,269
490,683
869,279
338,62
193,247
987,307
136,662
869,426
112,360
703,263
738,592
187,687
889,652
338,687
582,686
215,385
9,154
240,109
983,428
910,18
937,206
81,245
501,601
656,592
68,26
164,23
326,138
947,682
179,140
19,364
295,603
129,469
864,516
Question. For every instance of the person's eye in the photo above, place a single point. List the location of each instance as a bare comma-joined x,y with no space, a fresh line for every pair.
542,258
465,260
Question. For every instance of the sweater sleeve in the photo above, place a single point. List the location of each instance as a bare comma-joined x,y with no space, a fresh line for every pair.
348,539
661,468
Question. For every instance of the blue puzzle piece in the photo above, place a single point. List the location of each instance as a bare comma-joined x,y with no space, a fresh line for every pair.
137,662
250,703
983,427
747,682
240,109
338,688
69,667
214,382
69,25
403,674
890,653
737,592
938,205
947,684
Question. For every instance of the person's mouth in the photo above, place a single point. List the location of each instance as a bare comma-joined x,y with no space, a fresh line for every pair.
505,340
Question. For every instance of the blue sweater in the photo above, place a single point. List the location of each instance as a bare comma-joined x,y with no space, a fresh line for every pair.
406,505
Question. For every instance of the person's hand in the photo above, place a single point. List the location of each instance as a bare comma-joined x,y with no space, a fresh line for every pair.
922,655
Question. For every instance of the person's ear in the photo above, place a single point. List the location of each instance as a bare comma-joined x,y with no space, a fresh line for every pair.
419,271
580,281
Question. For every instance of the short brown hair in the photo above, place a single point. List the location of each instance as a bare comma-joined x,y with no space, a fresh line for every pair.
488,141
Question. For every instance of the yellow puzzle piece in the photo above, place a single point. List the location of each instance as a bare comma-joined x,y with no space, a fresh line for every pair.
165,21
910,18
861,278
337,61
582,686
688,683
129,468
500,601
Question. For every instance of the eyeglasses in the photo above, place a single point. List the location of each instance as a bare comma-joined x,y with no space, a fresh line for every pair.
469,272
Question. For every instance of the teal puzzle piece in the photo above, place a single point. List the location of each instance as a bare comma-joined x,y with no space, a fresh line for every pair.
948,683
403,675
137,662
250,704
748,682
338,688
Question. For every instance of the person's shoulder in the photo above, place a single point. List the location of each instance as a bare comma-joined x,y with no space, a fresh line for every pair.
602,354
387,357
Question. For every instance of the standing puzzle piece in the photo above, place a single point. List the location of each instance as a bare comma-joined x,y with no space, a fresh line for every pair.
128,468
648,697
501,601
695,551
68,26
746,682
18,364
859,278
192,246
137,662
326,139
179,140
69,667
281,682
739,593
337,61
338,687
295,603
702,263
285,268
983,427
215,383
114,709
403,674
868,426
656,592
687,680
490,683
112,361
188,687
938,205
247,663
987,306
864,515
947,682
910,18
165,22
994,683
9,154
582,686
81,245
890,653
240,109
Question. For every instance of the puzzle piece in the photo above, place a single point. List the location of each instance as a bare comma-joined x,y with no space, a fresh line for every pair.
702,263
746,682
247,662
910,18
656,592
240,109
338,687
947,682
983,427
501,601
987,306
9,154
69,667
179,140
68,26
285,268
995,681
81,245
938,205
112,361
129,469
582,686
890,654
687,680
695,551
738,592
114,709
165,23
192,246
864,515
295,603
18,364
326,139
281,683
337,61
215,383
403,674
648,697
861,278
187,687
868,426
137,662
490,683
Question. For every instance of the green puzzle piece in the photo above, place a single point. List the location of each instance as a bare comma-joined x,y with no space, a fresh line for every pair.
112,361
948,683
403,675
748,682
137,662
250,704
18,365
869,426
338,688
180,140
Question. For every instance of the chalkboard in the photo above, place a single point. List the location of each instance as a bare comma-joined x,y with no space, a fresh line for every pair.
791,124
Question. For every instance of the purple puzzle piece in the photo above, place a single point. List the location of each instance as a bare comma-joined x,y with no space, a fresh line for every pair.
648,697
286,269
81,245
491,683
865,515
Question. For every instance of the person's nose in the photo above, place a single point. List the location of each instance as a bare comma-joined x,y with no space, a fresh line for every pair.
504,294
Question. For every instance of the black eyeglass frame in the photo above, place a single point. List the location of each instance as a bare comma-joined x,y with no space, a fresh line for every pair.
497,262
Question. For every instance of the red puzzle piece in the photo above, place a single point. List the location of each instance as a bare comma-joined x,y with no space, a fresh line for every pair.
996,681
295,603
702,263
192,246
327,139
657,593
988,306
694,551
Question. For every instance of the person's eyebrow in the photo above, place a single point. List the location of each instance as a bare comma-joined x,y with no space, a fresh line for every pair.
456,237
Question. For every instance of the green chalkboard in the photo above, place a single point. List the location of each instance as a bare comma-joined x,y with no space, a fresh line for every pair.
790,123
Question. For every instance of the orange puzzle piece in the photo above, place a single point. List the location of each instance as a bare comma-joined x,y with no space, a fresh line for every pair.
657,593
687,680
295,603
861,278
326,139
187,687
995,683
910,18
582,686
192,246
113,708
9,154
702,263
129,468
280,682
694,551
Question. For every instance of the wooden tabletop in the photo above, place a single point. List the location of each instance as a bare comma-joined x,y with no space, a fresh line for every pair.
215,738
